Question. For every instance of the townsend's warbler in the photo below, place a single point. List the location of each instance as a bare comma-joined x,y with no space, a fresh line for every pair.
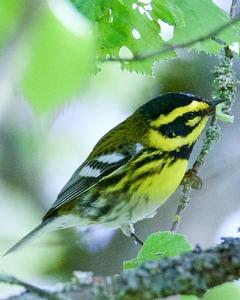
133,169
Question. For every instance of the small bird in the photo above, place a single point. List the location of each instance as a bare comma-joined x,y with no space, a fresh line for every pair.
133,169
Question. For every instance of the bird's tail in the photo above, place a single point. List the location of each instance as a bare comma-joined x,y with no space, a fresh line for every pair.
43,227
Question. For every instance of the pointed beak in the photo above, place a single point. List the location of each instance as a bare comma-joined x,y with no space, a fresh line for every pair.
213,104
216,102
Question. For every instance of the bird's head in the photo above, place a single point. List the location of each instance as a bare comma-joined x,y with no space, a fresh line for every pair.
176,119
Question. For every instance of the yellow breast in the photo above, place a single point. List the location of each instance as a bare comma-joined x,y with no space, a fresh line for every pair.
162,184
155,189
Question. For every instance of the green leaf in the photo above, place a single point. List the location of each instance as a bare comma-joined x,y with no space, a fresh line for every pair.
115,22
10,14
149,41
93,10
163,244
168,12
188,297
160,245
130,264
59,51
228,291
200,18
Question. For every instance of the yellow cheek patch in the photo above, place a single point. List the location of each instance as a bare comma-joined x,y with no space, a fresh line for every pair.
194,106
157,140
193,122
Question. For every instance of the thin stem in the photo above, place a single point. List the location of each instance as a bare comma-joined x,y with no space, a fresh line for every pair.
167,47
224,87
183,203
29,287
235,8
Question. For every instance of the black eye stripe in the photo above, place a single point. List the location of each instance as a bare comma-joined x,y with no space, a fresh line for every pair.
178,127
191,115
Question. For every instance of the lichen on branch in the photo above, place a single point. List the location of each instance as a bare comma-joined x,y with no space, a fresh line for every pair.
192,273
224,88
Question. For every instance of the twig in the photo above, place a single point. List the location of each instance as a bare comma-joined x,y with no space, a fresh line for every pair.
4,278
167,47
191,273
183,203
235,9
224,87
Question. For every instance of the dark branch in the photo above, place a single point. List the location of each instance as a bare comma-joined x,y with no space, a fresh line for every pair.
192,273
167,48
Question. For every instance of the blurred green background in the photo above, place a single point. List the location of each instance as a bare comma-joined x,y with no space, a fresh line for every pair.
39,152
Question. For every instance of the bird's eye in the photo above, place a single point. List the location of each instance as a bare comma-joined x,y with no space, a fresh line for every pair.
191,115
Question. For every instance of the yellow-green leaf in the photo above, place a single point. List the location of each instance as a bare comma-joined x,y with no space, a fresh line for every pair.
160,245
59,56
10,14
228,291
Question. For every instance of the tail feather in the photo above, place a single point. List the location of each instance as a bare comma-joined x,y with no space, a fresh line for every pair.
29,237
49,224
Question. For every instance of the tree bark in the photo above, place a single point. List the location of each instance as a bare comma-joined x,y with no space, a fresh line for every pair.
191,273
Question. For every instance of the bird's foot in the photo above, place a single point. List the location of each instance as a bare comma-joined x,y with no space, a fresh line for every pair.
192,177
128,230
136,239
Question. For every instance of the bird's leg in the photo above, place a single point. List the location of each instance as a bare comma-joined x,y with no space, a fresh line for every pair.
136,239
128,230
192,177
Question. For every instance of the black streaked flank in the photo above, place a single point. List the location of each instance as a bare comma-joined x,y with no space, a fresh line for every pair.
95,213
167,157
164,104
182,152
148,159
